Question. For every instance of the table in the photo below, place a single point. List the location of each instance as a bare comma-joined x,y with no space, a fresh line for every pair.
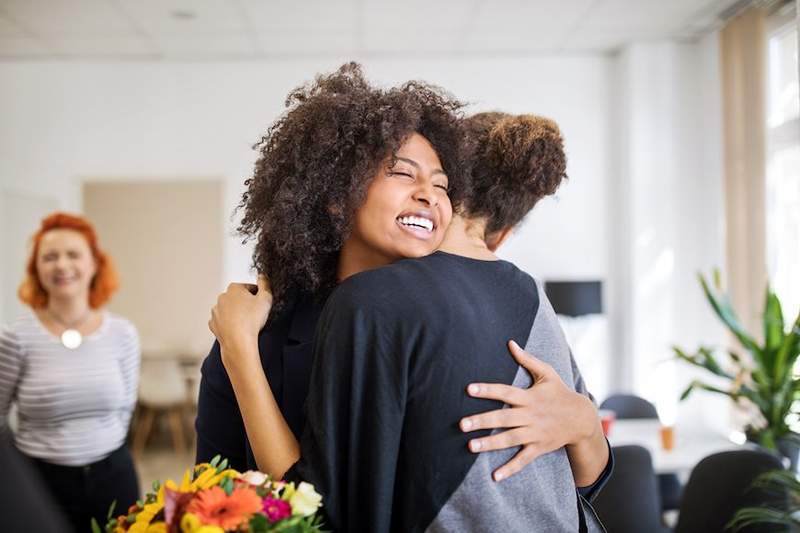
691,445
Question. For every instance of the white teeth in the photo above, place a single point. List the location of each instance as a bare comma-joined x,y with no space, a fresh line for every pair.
417,221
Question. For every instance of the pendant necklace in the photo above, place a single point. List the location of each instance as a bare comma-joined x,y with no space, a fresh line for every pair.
71,338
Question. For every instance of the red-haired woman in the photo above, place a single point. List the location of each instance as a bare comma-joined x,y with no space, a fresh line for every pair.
72,369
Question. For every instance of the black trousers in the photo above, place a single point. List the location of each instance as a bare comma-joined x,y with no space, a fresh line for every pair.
86,492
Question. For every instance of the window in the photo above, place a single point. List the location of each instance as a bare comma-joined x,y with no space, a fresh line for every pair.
783,163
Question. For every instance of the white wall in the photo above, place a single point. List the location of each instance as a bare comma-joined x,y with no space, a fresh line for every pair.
64,122
668,217
641,210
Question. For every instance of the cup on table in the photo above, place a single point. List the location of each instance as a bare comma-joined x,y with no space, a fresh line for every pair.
607,417
667,437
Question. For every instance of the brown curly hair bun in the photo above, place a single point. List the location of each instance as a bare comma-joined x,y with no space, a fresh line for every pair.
316,162
516,161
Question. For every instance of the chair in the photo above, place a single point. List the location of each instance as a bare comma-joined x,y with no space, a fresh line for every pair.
628,406
162,390
629,501
719,485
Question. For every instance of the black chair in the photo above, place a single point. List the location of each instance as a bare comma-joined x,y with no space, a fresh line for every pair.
629,501
721,484
628,406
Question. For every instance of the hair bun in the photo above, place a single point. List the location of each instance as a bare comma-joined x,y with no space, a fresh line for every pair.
527,152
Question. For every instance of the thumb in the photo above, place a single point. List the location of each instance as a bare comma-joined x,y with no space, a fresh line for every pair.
538,369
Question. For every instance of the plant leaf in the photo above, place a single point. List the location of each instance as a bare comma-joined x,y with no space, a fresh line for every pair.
724,311
788,351
773,321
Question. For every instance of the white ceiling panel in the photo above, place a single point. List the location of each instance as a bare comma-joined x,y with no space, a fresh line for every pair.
206,46
418,40
285,42
306,16
516,40
655,16
602,41
101,46
16,47
9,29
246,29
185,17
67,17
555,16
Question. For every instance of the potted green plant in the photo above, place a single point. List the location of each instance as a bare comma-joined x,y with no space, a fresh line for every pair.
784,509
766,378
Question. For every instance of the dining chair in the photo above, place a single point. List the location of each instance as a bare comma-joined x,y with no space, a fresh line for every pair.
629,406
721,484
162,390
629,503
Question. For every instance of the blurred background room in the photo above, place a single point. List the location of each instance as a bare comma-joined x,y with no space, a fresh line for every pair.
681,121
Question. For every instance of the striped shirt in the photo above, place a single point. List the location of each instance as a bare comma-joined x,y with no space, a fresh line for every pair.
74,406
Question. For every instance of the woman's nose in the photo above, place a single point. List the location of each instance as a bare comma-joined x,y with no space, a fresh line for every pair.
426,194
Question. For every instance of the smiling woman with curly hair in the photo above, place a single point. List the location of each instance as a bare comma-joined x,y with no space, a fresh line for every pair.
340,143
317,161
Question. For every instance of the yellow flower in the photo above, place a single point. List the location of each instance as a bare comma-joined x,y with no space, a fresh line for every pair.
157,527
305,500
190,523
146,515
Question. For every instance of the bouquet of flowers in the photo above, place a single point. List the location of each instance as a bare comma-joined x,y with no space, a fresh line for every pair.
213,498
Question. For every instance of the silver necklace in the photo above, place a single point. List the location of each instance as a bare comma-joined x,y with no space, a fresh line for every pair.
71,338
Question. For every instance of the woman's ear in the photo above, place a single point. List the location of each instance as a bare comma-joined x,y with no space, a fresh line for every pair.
496,239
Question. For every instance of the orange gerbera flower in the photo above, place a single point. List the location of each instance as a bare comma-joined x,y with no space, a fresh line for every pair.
215,508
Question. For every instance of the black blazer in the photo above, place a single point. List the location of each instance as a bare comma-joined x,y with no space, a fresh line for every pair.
286,349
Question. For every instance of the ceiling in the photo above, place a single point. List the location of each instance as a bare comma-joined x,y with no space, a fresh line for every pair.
254,29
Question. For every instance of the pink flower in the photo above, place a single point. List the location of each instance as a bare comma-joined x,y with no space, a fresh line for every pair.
276,509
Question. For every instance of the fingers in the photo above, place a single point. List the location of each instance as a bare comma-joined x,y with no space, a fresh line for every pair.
523,458
501,418
500,441
537,368
498,391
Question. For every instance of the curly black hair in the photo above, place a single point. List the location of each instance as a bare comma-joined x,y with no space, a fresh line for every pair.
516,161
316,162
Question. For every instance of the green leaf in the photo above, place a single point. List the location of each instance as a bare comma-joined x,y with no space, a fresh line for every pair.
215,461
788,351
724,311
259,524
111,510
761,515
685,394
227,485
96,526
773,321
222,466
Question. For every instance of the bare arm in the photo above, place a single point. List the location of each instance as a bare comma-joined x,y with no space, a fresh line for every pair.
236,320
273,443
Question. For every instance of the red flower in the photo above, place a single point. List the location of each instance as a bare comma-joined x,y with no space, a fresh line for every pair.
276,509
215,508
